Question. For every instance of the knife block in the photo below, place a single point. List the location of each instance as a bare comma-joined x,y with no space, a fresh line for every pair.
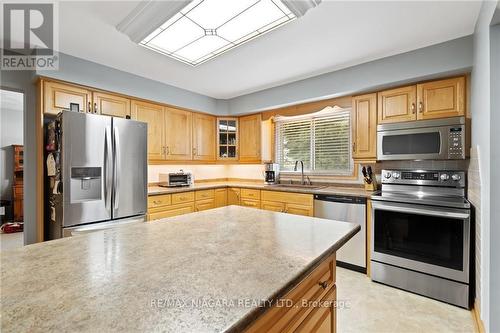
371,187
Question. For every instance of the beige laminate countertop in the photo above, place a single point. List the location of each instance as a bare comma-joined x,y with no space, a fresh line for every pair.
201,272
332,190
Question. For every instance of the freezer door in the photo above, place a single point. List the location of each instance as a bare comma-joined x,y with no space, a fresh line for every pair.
130,168
86,169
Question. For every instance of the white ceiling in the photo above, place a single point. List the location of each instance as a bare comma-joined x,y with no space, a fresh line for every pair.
334,35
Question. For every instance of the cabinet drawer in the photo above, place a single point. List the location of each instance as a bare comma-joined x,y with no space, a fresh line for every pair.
170,211
314,287
247,193
287,197
159,200
204,204
182,197
250,203
205,194
322,318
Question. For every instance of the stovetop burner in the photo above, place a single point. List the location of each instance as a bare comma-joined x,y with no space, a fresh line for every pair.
421,187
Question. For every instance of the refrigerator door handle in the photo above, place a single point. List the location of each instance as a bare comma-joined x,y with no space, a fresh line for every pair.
108,172
116,193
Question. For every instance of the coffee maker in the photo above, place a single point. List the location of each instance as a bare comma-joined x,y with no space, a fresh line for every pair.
272,172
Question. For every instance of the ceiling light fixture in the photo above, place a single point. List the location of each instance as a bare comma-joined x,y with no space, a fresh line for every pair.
196,31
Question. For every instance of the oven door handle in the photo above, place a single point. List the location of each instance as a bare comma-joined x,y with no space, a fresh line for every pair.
424,210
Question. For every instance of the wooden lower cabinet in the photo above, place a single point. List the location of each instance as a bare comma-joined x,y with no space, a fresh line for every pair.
310,305
287,202
233,196
250,203
296,209
273,206
169,211
204,204
220,197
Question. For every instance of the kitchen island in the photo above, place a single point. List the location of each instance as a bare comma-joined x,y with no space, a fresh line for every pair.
226,269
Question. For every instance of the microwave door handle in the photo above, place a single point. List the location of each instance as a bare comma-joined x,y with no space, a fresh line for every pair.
117,166
108,172
421,211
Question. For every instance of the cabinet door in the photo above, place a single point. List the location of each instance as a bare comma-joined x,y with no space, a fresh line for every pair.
322,319
220,197
203,137
173,210
441,99
364,118
273,206
296,209
233,196
397,105
227,138
204,205
249,135
111,105
59,96
178,128
152,114
250,203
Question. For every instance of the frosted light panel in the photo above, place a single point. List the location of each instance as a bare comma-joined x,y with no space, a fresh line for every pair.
206,28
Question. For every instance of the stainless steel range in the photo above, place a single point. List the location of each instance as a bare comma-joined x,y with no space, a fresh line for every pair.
421,234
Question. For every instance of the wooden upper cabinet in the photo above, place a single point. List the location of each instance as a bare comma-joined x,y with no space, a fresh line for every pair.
249,138
111,105
178,129
397,105
441,99
364,120
152,114
203,137
59,96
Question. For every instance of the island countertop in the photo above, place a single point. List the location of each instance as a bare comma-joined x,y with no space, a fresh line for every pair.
202,272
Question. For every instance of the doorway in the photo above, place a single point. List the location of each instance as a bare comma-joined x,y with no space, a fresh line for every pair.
11,169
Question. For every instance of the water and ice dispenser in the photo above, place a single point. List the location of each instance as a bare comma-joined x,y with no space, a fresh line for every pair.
86,184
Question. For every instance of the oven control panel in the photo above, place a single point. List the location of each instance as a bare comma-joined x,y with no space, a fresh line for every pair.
421,177
456,143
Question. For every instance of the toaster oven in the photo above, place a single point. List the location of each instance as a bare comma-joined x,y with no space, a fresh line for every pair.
176,179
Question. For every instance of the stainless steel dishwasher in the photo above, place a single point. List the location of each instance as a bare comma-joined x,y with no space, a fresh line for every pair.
348,209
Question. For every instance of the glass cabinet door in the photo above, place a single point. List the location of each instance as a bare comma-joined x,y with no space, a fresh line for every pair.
227,129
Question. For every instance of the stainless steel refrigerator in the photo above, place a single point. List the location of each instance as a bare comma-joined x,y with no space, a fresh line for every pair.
97,173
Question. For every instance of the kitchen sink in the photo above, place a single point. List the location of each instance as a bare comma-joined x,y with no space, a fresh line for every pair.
298,186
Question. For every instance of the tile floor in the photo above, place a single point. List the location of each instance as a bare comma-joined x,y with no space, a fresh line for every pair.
373,307
11,241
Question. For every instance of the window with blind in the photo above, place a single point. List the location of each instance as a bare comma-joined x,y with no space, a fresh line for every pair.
321,140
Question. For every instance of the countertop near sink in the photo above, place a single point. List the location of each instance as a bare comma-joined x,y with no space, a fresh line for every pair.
325,189
173,275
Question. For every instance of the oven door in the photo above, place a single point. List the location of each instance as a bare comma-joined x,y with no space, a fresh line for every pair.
413,144
427,239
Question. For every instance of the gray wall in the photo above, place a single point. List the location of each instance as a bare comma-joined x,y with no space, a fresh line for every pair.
482,139
92,74
24,81
495,181
450,57
11,133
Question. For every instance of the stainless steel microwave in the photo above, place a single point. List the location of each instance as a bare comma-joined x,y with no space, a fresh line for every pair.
439,139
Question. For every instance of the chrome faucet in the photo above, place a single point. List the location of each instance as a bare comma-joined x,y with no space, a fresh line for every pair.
302,182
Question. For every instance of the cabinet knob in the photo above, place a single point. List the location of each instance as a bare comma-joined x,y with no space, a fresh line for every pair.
421,107
354,147
90,107
413,108
323,284
95,107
